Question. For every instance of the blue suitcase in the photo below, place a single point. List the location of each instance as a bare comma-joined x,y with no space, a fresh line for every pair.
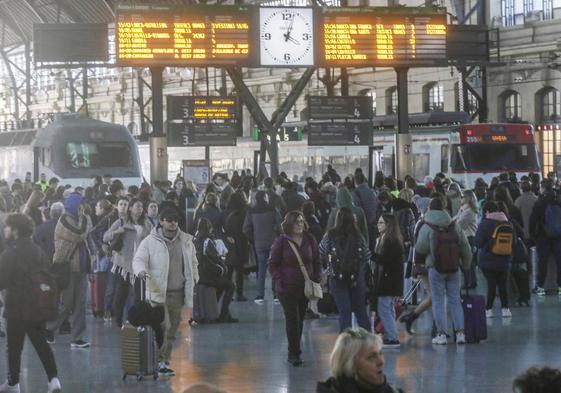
475,322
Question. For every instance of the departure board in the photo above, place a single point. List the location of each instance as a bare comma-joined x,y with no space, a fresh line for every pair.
198,35
371,37
354,107
339,134
198,134
201,108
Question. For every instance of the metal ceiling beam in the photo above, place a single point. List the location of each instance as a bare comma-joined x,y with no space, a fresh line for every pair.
71,12
32,7
110,6
8,20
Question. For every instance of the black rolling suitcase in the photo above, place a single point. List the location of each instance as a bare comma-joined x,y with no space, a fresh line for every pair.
139,353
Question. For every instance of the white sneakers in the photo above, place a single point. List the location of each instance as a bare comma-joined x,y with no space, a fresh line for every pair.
460,338
6,388
54,386
440,339
540,291
506,313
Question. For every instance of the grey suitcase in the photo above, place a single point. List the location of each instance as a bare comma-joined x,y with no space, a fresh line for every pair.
139,356
205,304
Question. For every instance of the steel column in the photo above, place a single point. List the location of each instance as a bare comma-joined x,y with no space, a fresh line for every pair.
158,142
403,140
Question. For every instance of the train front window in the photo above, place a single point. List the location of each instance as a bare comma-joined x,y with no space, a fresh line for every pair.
494,157
98,155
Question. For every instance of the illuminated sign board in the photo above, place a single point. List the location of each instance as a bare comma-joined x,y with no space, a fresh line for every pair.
252,36
201,108
204,35
201,134
373,36
339,134
357,107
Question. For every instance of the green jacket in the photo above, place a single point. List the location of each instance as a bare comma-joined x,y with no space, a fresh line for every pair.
424,243
345,199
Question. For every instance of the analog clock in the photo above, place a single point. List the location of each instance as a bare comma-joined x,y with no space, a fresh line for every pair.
286,36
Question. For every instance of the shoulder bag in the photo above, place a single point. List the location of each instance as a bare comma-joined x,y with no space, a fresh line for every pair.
312,290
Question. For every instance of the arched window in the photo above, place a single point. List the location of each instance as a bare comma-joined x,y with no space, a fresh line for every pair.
511,106
391,100
433,97
548,104
370,93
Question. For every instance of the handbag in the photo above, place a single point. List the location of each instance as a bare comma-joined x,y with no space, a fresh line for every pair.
312,289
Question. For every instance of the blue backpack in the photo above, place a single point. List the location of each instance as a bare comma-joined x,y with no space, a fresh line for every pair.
553,221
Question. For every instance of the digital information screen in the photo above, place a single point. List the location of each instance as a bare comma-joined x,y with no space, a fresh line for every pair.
367,37
202,35
284,134
203,134
339,134
357,107
201,108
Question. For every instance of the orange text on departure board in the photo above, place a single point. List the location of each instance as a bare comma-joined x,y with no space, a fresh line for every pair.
214,109
356,41
182,40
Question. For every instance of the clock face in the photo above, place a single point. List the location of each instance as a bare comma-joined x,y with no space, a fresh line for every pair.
286,36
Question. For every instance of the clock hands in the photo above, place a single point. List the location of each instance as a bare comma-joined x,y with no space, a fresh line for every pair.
287,36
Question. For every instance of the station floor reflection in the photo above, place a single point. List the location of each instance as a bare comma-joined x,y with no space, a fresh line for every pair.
251,356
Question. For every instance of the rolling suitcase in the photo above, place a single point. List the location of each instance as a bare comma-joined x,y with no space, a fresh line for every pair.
139,354
475,322
205,304
400,306
98,286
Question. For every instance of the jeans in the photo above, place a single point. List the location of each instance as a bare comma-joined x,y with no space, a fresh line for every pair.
545,248
16,332
110,292
173,307
294,307
386,311
496,278
262,256
350,299
446,285
73,302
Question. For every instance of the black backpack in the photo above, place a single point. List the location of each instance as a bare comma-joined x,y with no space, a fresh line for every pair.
345,258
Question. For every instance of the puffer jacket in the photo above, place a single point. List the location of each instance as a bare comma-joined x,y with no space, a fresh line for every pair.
350,385
403,212
285,269
365,198
123,259
484,242
345,199
152,256
20,257
424,243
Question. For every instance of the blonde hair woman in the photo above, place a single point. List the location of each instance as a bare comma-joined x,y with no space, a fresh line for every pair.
357,365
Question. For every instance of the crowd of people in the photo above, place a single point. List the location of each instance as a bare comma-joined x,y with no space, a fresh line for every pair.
365,244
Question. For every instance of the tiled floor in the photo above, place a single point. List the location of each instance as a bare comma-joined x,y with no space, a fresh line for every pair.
251,356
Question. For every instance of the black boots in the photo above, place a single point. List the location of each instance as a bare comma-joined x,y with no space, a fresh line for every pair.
408,320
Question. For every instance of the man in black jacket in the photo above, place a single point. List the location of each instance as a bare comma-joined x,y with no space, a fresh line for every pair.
546,244
16,263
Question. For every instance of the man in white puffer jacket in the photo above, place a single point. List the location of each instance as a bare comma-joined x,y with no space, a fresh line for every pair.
167,260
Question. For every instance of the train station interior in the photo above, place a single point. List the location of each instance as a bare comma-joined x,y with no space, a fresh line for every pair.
280,196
